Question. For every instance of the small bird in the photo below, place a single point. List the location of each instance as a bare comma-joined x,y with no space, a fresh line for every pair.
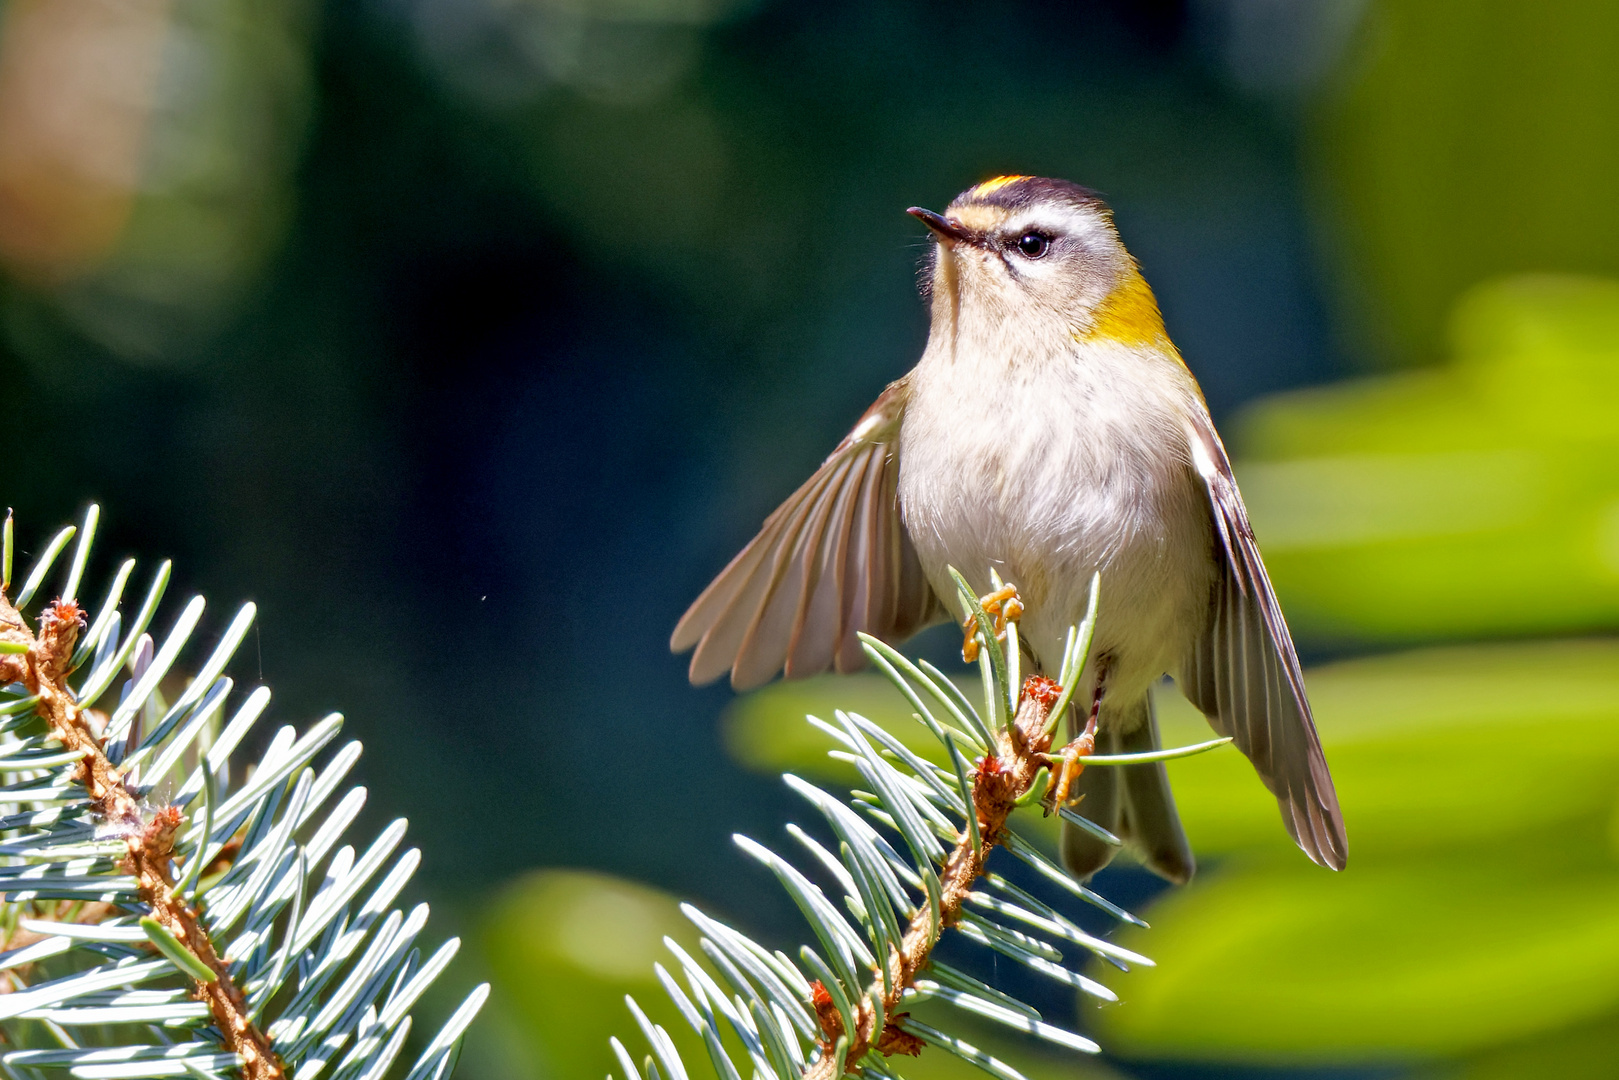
1050,431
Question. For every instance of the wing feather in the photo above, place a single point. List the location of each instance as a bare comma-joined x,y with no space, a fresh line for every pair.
770,632
815,631
743,586
832,560
857,597
1244,673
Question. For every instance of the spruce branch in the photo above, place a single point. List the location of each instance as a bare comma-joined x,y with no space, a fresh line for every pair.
911,865
1001,779
42,667
226,914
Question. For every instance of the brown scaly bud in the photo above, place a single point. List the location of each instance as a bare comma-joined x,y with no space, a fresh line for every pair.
1045,691
150,841
59,626
826,1011
989,770
1027,731
994,790
894,1041
158,835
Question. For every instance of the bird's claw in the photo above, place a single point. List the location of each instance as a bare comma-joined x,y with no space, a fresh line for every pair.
1004,606
1067,764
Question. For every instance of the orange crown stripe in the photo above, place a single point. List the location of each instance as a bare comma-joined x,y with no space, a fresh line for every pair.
989,187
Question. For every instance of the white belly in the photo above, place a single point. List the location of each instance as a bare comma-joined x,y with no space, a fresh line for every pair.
1052,483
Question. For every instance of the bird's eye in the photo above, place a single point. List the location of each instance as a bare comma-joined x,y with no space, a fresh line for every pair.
1033,245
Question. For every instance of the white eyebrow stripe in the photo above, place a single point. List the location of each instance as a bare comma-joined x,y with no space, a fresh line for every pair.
1057,220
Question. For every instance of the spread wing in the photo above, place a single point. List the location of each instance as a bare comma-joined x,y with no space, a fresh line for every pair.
1244,674
832,560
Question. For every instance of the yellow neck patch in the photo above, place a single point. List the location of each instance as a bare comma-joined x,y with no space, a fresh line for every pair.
989,187
1129,316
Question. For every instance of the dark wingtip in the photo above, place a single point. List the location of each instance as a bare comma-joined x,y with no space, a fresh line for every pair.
1330,858
1320,835
1337,854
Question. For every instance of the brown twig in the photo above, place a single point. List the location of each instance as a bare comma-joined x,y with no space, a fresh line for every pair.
43,668
999,781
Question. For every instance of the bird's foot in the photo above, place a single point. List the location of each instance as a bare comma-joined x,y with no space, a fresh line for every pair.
1002,605
1067,764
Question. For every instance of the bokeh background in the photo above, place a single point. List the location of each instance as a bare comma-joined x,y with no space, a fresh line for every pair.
471,337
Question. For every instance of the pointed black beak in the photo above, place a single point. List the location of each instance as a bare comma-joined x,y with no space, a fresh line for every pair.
943,228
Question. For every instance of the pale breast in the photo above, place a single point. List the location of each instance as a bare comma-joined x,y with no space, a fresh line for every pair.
1051,476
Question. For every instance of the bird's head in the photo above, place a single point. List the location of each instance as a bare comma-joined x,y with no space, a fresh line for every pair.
1039,253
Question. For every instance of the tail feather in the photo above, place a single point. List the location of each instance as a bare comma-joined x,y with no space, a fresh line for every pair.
1151,825
1133,802
1098,800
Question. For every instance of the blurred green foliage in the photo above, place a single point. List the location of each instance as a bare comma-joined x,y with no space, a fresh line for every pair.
1385,963
1434,749
1468,139
1481,498
1585,1052
1480,788
563,947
